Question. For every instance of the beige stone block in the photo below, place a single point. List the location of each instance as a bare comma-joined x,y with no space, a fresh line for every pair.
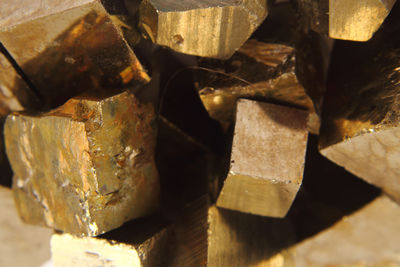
267,159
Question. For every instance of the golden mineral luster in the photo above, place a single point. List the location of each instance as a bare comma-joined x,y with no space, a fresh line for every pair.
86,167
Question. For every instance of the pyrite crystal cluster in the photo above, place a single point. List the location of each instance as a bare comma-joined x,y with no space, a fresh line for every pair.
86,167
62,47
192,132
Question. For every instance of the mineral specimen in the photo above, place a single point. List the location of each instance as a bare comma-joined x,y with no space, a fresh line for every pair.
14,93
361,121
368,237
353,20
210,236
215,28
262,71
86,167
139,244
357,20
267,159
65,46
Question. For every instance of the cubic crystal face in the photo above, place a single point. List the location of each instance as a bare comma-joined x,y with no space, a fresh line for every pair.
204,28
85,167
210,236
267,159
69,46
357,20
367,237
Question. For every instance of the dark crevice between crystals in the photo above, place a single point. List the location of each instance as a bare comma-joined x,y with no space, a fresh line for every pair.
328,193
190,144
5,168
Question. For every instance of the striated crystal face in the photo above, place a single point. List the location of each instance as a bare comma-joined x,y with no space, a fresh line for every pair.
203,28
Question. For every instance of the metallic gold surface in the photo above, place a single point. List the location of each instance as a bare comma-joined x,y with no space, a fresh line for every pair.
210,236
215,28
86,167
353,20
69,50
221,102
142,243
68,250
12,98
18,11
361,117
267,159
265,72
366,238
357,20
366,105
